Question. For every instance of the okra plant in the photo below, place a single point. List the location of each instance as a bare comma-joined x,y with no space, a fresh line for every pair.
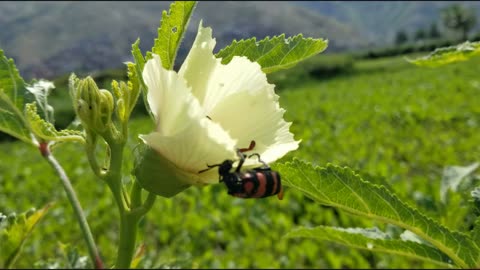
203,113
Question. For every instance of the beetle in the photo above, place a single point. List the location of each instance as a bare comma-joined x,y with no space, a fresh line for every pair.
258,182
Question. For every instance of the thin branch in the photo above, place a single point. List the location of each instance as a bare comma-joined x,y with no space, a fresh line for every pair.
94,255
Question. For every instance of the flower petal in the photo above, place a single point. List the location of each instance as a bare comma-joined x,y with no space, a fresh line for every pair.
231,94
184,135
201,143
247,107
165,92
200,62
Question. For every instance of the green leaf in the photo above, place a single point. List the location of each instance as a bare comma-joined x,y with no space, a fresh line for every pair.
453,176
139,65
476,231
11,119
46,131
275,53
11,82
446,55
12,238
172,29
373,240
12,89
343,189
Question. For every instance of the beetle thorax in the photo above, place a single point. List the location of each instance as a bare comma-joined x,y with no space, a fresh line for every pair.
225,167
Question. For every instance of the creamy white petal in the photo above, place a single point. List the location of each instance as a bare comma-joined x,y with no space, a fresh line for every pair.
202,142
200,63
212,81
238,76
184,135
170,100
256,115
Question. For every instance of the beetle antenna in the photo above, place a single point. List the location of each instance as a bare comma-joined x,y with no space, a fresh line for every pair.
259,159
209,167
250,147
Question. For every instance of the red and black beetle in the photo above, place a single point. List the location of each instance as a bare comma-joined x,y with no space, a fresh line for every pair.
259,182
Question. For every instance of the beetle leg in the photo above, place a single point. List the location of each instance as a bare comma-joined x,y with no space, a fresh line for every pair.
280,194
259,159
209,167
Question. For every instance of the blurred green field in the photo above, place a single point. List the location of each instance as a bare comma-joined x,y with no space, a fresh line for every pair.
398,123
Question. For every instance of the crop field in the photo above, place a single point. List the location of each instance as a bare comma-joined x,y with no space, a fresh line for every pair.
398,124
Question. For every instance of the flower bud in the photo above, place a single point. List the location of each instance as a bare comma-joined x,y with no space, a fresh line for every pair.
106,107
88,102
94,106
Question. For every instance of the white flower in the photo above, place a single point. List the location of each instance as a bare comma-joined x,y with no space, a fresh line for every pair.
207,110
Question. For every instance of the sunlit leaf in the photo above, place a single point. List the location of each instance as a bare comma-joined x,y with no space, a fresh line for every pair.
12,89
139,64
11,82
46,131
13,237
342,188
373,240
11,119
172,29
275,53
446,55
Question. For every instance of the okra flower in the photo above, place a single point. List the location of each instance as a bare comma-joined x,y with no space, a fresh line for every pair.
207,110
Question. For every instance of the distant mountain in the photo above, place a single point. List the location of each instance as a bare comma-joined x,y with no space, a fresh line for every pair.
48,39
378,21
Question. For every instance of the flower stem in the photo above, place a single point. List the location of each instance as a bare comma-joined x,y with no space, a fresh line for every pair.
128,237
128,221
72,197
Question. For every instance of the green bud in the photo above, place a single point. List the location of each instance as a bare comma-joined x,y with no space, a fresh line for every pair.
116,90
106,107
93,106
121,110
88,102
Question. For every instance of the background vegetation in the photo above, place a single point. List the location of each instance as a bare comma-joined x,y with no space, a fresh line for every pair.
370,110
385,118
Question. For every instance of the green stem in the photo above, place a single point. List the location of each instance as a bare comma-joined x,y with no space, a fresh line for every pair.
77,208
128,237
136,195
128,221
147,205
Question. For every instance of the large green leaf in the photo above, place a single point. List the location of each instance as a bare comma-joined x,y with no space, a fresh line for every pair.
12,89
275,53
11,119
172,29
373,240
46,131
343,189
13,236
446,55
11,82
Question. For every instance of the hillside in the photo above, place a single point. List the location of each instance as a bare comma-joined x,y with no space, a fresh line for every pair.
378,21
52,38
